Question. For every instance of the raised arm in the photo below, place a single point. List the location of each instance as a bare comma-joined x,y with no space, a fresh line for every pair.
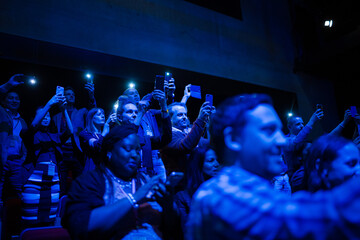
14,81
90,87
42,111
186,94
339,128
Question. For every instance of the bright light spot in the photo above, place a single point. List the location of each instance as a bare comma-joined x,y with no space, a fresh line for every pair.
88,75
290,114
131,85
116,105
32,81
167,73
328,23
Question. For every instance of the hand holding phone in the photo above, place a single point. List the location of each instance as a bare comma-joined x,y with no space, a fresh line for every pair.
59,90
174,178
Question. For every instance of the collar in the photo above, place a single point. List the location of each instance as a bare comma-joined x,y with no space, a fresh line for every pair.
17,116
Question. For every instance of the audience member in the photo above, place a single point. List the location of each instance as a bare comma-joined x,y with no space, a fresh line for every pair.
114,201
175,153
240,203
297,140
40,195
70,161
92,136
331,161
10,179
129,114
202,166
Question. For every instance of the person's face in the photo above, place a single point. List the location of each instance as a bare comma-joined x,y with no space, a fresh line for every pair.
12,101
125,157
261,141
70,96
133,94
179,119
296,126
129,114
344,167
211,164
99,118
46,120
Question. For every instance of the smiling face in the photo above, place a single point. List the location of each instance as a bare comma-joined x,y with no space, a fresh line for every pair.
344,167
261,141
12,101
179,119
297,124
125,157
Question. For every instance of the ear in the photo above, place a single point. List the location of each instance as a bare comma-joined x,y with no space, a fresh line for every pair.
229,142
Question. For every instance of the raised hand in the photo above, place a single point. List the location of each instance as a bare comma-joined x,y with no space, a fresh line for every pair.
159,96
205,111
90,87
16,80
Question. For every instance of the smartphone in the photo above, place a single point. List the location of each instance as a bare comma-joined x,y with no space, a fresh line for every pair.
174,178
159,82
353,111
59,90
168,76
209,98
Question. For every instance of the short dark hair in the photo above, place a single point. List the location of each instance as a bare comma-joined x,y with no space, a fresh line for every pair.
115,135
122,103
69,88
230,113
174,104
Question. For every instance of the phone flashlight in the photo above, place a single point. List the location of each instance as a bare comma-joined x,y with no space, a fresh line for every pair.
131,85
116,106
89,77
32,81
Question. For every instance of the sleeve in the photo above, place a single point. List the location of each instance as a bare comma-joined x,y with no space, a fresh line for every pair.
85,137
295,143
86,193
190,141
165,134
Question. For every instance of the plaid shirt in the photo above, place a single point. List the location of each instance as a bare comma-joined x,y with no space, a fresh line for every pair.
240,205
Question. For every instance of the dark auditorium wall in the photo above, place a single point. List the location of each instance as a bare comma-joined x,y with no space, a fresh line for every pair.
258,49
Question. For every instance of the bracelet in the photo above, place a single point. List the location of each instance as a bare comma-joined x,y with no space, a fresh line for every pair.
133,201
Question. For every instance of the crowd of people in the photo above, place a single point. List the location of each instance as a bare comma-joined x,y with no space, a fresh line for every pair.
146,171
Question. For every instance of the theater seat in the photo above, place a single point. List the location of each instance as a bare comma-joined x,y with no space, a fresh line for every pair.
45,233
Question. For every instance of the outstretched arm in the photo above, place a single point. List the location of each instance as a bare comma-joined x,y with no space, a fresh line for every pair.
339,128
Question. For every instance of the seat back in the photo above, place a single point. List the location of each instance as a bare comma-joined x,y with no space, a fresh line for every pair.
45,233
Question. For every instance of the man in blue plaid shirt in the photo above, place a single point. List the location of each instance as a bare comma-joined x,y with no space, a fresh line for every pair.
240,202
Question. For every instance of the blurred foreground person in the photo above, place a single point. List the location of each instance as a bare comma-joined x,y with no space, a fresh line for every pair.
240,203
